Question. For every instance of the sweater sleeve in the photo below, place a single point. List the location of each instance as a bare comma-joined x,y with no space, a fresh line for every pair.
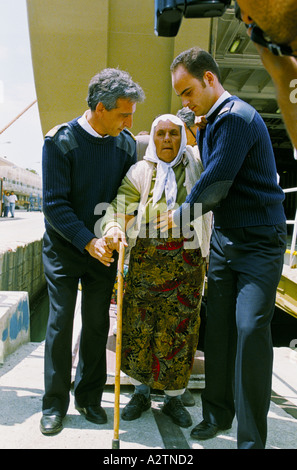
229,141
125,204
57,207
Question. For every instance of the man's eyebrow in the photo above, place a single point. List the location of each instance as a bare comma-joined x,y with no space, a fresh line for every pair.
184,91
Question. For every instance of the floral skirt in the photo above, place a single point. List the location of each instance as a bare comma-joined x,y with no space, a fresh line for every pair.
161,310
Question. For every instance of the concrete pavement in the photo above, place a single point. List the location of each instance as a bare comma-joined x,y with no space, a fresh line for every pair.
24,228
21,390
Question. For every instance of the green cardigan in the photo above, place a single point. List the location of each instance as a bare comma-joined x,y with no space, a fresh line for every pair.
135,197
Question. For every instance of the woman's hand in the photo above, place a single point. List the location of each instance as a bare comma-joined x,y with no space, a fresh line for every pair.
114,237
165,221
201,122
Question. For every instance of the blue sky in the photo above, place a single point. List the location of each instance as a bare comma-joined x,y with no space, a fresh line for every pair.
22,142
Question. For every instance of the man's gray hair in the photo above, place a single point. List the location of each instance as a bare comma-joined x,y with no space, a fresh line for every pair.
187,116
111,84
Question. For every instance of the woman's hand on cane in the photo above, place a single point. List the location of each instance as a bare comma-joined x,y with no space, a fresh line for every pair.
114,237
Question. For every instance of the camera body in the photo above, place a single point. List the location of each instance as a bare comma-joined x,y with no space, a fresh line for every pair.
169,13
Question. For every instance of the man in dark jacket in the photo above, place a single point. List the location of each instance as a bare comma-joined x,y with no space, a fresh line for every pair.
84,162
239,184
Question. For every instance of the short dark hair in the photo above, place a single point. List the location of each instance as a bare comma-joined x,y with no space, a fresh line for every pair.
111,84
196,61
187,116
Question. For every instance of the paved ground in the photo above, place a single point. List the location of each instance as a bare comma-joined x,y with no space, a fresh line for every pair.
21,390
24,228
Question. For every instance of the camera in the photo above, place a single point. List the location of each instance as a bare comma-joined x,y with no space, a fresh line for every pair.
169,13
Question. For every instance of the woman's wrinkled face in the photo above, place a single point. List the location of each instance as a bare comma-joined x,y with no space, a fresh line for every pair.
167,138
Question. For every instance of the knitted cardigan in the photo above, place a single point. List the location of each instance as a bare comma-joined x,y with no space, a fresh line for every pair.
141,176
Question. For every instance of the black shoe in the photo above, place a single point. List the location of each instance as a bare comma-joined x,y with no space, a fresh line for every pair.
206,430
94,413
136,406
51,424
187,398
177,412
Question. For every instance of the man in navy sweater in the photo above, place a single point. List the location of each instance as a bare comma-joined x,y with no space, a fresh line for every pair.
239,184
84,162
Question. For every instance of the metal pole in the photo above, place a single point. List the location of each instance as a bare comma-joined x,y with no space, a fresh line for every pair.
116,440
17,117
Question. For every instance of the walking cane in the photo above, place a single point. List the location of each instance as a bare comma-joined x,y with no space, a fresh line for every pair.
116,424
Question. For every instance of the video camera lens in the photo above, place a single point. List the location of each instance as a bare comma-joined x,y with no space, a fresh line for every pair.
237,11
169,13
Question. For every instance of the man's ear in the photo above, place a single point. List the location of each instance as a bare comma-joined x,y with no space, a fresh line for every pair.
209,77
100,108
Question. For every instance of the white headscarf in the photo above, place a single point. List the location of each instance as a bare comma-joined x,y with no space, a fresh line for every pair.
165,179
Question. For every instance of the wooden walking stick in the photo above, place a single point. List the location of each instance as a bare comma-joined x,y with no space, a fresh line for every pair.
116,425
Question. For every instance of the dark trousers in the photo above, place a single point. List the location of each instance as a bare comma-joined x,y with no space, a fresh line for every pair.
64,266
244,272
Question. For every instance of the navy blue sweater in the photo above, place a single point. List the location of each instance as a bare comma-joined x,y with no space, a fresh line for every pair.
79,172
239,182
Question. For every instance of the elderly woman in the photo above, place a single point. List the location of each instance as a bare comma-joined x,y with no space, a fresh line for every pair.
166,271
